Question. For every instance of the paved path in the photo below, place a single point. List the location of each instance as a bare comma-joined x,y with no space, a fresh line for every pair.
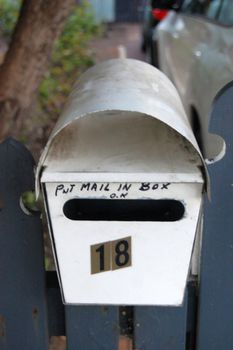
120,40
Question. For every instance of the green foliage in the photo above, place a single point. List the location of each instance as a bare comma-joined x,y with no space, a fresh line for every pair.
29,201
9,11
71,56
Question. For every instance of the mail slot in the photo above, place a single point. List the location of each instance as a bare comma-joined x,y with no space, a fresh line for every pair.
123,210
122,179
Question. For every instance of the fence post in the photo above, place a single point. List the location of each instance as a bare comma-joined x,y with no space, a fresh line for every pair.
161,327
215,326
92,327
23,315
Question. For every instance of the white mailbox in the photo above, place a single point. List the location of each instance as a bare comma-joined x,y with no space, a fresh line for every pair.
122,179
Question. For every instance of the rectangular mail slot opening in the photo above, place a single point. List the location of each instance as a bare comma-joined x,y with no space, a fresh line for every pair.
123,210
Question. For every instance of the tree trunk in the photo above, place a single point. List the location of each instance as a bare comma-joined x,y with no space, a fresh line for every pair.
39,24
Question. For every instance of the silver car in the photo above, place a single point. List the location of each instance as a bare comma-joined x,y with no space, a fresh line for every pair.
195,50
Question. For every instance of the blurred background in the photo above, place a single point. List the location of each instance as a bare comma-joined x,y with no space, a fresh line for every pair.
46,45
93,31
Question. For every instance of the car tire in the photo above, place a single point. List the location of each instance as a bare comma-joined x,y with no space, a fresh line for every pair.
155,60
148,54
152,55
143,46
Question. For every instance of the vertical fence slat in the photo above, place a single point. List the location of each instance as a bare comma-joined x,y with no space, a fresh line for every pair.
92,327
158,328
56,309
215,326
23,316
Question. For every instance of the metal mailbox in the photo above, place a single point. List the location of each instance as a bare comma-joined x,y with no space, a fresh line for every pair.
122,179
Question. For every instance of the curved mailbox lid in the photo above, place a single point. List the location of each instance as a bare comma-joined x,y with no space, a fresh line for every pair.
124,85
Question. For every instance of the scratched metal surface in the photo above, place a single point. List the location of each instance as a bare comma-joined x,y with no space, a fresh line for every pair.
23,320
123,85
125,92
215,327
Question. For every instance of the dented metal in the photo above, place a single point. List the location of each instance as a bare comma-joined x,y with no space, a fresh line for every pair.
123,180
117,86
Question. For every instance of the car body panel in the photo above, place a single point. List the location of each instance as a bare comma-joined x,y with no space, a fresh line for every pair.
197,55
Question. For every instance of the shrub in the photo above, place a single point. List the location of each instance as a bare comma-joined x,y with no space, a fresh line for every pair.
9,11
71,56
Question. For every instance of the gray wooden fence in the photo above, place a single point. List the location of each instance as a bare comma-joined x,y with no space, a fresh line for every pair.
31,309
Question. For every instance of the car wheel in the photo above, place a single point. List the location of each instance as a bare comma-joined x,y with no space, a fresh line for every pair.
154,54
148,55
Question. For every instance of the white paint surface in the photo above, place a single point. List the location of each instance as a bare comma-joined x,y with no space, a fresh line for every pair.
115,87
200,64
121,142
161,251
123,122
